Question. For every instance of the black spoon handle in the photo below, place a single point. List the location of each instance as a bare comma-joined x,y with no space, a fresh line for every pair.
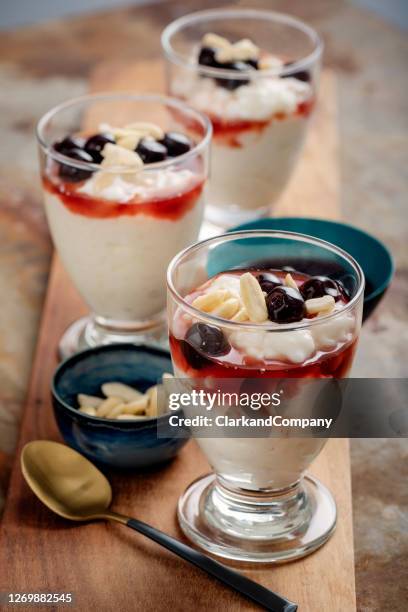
266,598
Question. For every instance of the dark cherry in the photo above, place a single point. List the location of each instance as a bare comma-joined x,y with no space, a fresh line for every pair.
232,84
268,281
207,339
206,57
318,286
195,359
95,144
68,144
176,143
72,174
300,75
253,63
151,151
285,305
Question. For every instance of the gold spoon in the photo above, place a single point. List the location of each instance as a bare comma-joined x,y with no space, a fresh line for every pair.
71,486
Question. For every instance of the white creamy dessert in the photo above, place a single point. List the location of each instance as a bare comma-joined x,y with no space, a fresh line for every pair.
275,464
119,265
259,130
322,344
117,230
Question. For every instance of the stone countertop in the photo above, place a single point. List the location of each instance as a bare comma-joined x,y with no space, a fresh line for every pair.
43,65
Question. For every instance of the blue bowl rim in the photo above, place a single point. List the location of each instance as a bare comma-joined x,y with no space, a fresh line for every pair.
371,296
66,363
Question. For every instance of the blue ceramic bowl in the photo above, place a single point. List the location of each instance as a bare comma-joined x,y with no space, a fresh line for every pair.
372,255
119,444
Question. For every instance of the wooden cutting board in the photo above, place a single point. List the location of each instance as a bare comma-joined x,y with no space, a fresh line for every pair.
108,567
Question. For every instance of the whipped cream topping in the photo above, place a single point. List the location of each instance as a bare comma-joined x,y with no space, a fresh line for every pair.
260,99
339,330
294,346
141,185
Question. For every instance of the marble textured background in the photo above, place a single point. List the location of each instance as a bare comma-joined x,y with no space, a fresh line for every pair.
45,64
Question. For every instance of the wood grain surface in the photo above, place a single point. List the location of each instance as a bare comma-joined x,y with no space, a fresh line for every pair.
108,567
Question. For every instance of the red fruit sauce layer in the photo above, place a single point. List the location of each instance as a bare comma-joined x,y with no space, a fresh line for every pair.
227,131
334,364
172,208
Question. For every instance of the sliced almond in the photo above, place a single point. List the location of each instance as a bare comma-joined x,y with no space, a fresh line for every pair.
119,132
116,411
125,392
215,41
130,417
90,410
107,406
153,405
113,155
227,309
167,376
320,305
240,51
290,282
224,54
146,129
138,406
253,298
111,129
246,49
208,301
102,181
130,140
269,62
241,316
88,400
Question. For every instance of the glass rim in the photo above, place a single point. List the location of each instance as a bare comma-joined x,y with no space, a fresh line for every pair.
282,18
147,97
270,325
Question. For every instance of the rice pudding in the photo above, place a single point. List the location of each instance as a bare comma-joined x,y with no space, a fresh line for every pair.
259,112
123,178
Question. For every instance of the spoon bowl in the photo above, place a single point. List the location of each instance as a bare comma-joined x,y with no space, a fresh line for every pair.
66,482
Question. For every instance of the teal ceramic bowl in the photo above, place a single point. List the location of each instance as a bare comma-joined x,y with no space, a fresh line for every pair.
372,255
110,442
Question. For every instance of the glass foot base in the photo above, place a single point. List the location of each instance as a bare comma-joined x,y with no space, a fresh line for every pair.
84,333
257,527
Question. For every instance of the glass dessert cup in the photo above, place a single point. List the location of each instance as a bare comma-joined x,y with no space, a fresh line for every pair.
259,505
259,116
117,226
